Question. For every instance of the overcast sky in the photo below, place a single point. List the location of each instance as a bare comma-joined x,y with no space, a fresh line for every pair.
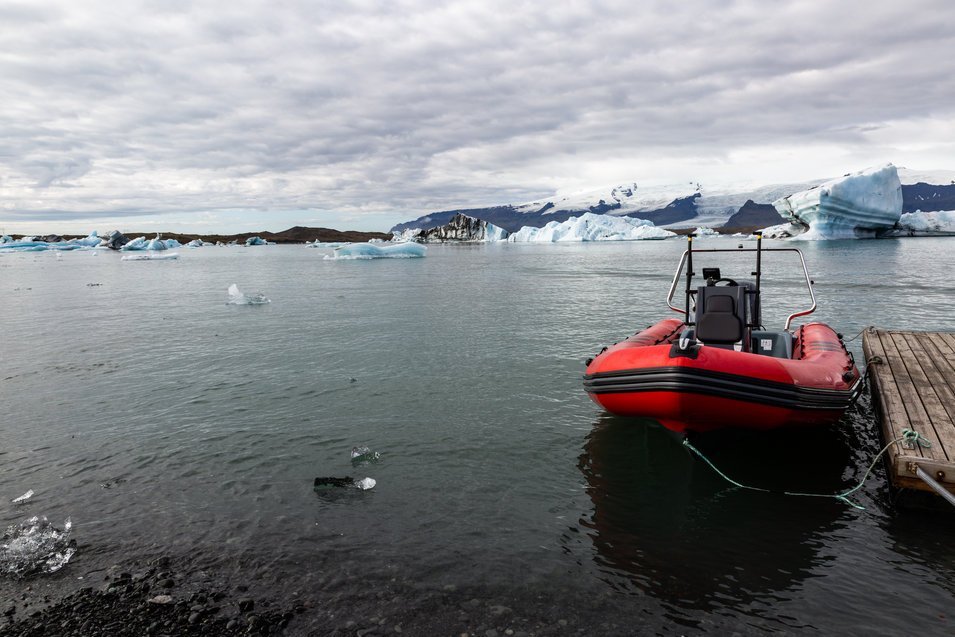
232,116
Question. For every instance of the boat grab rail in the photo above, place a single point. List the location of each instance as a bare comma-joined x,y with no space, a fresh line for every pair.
802,260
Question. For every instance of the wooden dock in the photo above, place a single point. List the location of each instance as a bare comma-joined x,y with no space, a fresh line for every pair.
912,379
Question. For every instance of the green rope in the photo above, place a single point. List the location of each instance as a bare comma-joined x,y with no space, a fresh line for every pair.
909,437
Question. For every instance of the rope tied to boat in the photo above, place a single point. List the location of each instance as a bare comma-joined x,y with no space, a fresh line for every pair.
908,437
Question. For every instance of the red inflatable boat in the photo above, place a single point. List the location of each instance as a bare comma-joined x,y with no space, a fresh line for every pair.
717,367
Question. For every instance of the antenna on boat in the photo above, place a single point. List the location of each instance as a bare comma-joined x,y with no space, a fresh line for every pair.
689,275
757,319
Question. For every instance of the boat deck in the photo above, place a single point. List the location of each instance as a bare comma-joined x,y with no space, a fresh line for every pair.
912,380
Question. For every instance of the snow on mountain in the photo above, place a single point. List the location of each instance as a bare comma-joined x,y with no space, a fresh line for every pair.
683,205
592,227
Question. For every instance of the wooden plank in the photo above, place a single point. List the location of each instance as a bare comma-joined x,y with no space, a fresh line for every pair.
912,402
947,352
894,416
931,388
893,410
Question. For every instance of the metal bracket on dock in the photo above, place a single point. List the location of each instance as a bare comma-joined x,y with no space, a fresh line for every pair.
936,487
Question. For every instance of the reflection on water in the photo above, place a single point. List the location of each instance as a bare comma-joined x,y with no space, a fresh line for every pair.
663,524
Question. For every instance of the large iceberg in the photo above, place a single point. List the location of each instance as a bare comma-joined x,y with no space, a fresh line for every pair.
371,251
858,205
461,228
592,227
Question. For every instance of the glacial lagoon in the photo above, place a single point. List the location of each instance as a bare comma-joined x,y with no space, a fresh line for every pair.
163,420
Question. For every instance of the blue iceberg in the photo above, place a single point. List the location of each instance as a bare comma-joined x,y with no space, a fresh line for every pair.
379,251
256,241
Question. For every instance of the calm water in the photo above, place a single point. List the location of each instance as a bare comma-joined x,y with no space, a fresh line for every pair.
165,421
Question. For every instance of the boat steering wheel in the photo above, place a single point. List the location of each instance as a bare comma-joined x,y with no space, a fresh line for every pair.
729,282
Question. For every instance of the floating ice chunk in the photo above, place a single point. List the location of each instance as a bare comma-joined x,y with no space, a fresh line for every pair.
156,244
90,241
172,256
172,243
705,233
326,244
35,546
370,251
365,483
256,241
139,243
592,227
363,455
195,243
23,498
236,297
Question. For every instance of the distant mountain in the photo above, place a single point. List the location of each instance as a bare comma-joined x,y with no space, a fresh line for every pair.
754,215
686,205
297,234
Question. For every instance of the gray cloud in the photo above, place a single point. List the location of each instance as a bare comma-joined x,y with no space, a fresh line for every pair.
132,108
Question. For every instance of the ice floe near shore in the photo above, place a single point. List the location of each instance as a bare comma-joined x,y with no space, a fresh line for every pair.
379,251
35,546
592,227
39,244
858,205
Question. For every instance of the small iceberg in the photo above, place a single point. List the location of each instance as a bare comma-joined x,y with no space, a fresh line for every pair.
236,297
371,251
363,455
592,227
23,498
195,243
35,546
256,241
705,233
172,256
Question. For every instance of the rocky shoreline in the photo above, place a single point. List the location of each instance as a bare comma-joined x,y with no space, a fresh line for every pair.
155,601
163,597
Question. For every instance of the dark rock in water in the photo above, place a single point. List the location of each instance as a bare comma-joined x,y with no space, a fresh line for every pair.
116,240
330,482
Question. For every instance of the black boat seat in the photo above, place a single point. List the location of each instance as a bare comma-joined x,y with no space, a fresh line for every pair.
719,323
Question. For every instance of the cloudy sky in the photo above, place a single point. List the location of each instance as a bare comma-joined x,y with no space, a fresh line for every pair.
216,116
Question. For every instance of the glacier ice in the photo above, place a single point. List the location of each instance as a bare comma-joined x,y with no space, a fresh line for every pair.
157,243
919,224
256,241
365,483
236,297
592,227
372,251
35,546
363,455
705,233
169,256
195,243
858,205
23,498
461,228
34,244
